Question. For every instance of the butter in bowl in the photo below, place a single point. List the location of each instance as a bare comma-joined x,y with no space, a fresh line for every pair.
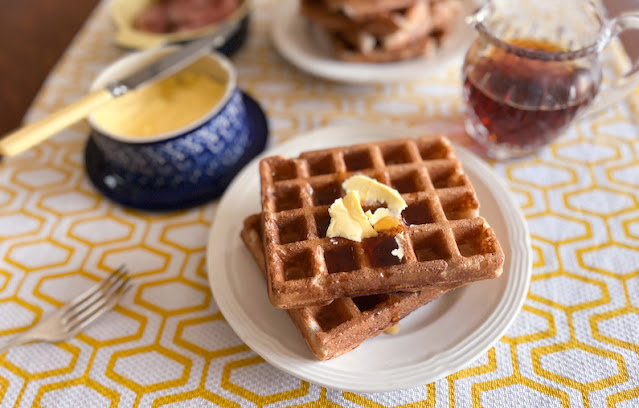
143,24
177,142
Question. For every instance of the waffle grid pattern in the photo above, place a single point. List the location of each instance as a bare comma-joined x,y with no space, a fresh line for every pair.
446,242
334,329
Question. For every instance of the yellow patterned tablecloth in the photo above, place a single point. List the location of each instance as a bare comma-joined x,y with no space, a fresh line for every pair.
575,343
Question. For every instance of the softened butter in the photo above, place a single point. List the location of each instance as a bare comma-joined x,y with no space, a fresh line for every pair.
162,107
348,219
372,191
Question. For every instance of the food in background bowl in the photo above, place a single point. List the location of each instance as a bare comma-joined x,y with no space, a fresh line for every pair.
167,16
164,106
143,24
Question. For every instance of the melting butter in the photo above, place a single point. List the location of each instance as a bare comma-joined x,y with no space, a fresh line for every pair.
385,223
161,107
378,215
348,219
392,329
372,191
399,251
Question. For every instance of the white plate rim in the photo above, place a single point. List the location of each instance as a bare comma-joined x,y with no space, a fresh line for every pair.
292,37
485,336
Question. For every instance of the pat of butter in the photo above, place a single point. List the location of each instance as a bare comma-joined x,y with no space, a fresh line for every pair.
348,219
161,107
372,191
378,215
387,223
382,220
399,251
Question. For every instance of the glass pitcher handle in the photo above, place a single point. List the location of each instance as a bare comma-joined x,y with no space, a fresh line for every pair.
627,83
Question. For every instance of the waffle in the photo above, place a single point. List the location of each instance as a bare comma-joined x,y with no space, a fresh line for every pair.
443,14
411,21
334,329
377,41
444,241
376,31
346,50
366,9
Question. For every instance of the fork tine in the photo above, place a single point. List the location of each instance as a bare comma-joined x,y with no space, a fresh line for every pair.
103,289
105,303
95,289
70,319
87,320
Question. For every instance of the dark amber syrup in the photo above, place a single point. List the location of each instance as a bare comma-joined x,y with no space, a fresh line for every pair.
557,91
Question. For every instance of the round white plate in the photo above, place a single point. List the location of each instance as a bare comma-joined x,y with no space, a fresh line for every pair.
434,341
306,47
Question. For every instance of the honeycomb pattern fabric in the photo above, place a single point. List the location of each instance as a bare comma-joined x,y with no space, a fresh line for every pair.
574,344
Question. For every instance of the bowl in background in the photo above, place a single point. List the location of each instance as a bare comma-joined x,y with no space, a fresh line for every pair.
124,12
183,167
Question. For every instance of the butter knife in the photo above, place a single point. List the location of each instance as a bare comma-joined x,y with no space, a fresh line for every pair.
29,135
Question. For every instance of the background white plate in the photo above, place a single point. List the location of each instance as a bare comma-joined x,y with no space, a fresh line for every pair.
434,341
307,48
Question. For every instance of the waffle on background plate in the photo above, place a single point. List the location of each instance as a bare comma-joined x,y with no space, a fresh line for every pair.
444,240
383,30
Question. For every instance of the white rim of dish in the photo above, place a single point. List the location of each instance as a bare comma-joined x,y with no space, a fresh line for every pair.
129,63
419,373
287,17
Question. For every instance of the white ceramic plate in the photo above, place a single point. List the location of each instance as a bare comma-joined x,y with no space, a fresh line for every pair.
308,48
434,341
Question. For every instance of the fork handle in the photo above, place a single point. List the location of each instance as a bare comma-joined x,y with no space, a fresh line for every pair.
17,340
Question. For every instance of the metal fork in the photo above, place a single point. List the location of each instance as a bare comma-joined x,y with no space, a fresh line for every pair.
76,315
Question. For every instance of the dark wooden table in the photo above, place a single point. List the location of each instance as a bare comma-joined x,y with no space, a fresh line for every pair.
35,33
33,36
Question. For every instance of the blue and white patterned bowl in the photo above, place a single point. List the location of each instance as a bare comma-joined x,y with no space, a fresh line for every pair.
201,153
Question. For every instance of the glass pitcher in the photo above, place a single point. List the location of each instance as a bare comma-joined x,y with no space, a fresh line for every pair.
534,68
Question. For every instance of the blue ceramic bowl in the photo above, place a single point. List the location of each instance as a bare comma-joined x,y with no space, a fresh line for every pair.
203,152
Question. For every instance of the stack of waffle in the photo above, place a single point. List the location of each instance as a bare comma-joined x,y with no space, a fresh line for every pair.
340,292
383,30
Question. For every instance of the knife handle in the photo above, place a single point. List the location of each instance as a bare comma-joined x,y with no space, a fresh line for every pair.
29,135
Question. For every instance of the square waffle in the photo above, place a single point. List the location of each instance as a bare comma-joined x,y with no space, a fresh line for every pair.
444,241
348,49
334,329
443,14
410,21
375,31
366,9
